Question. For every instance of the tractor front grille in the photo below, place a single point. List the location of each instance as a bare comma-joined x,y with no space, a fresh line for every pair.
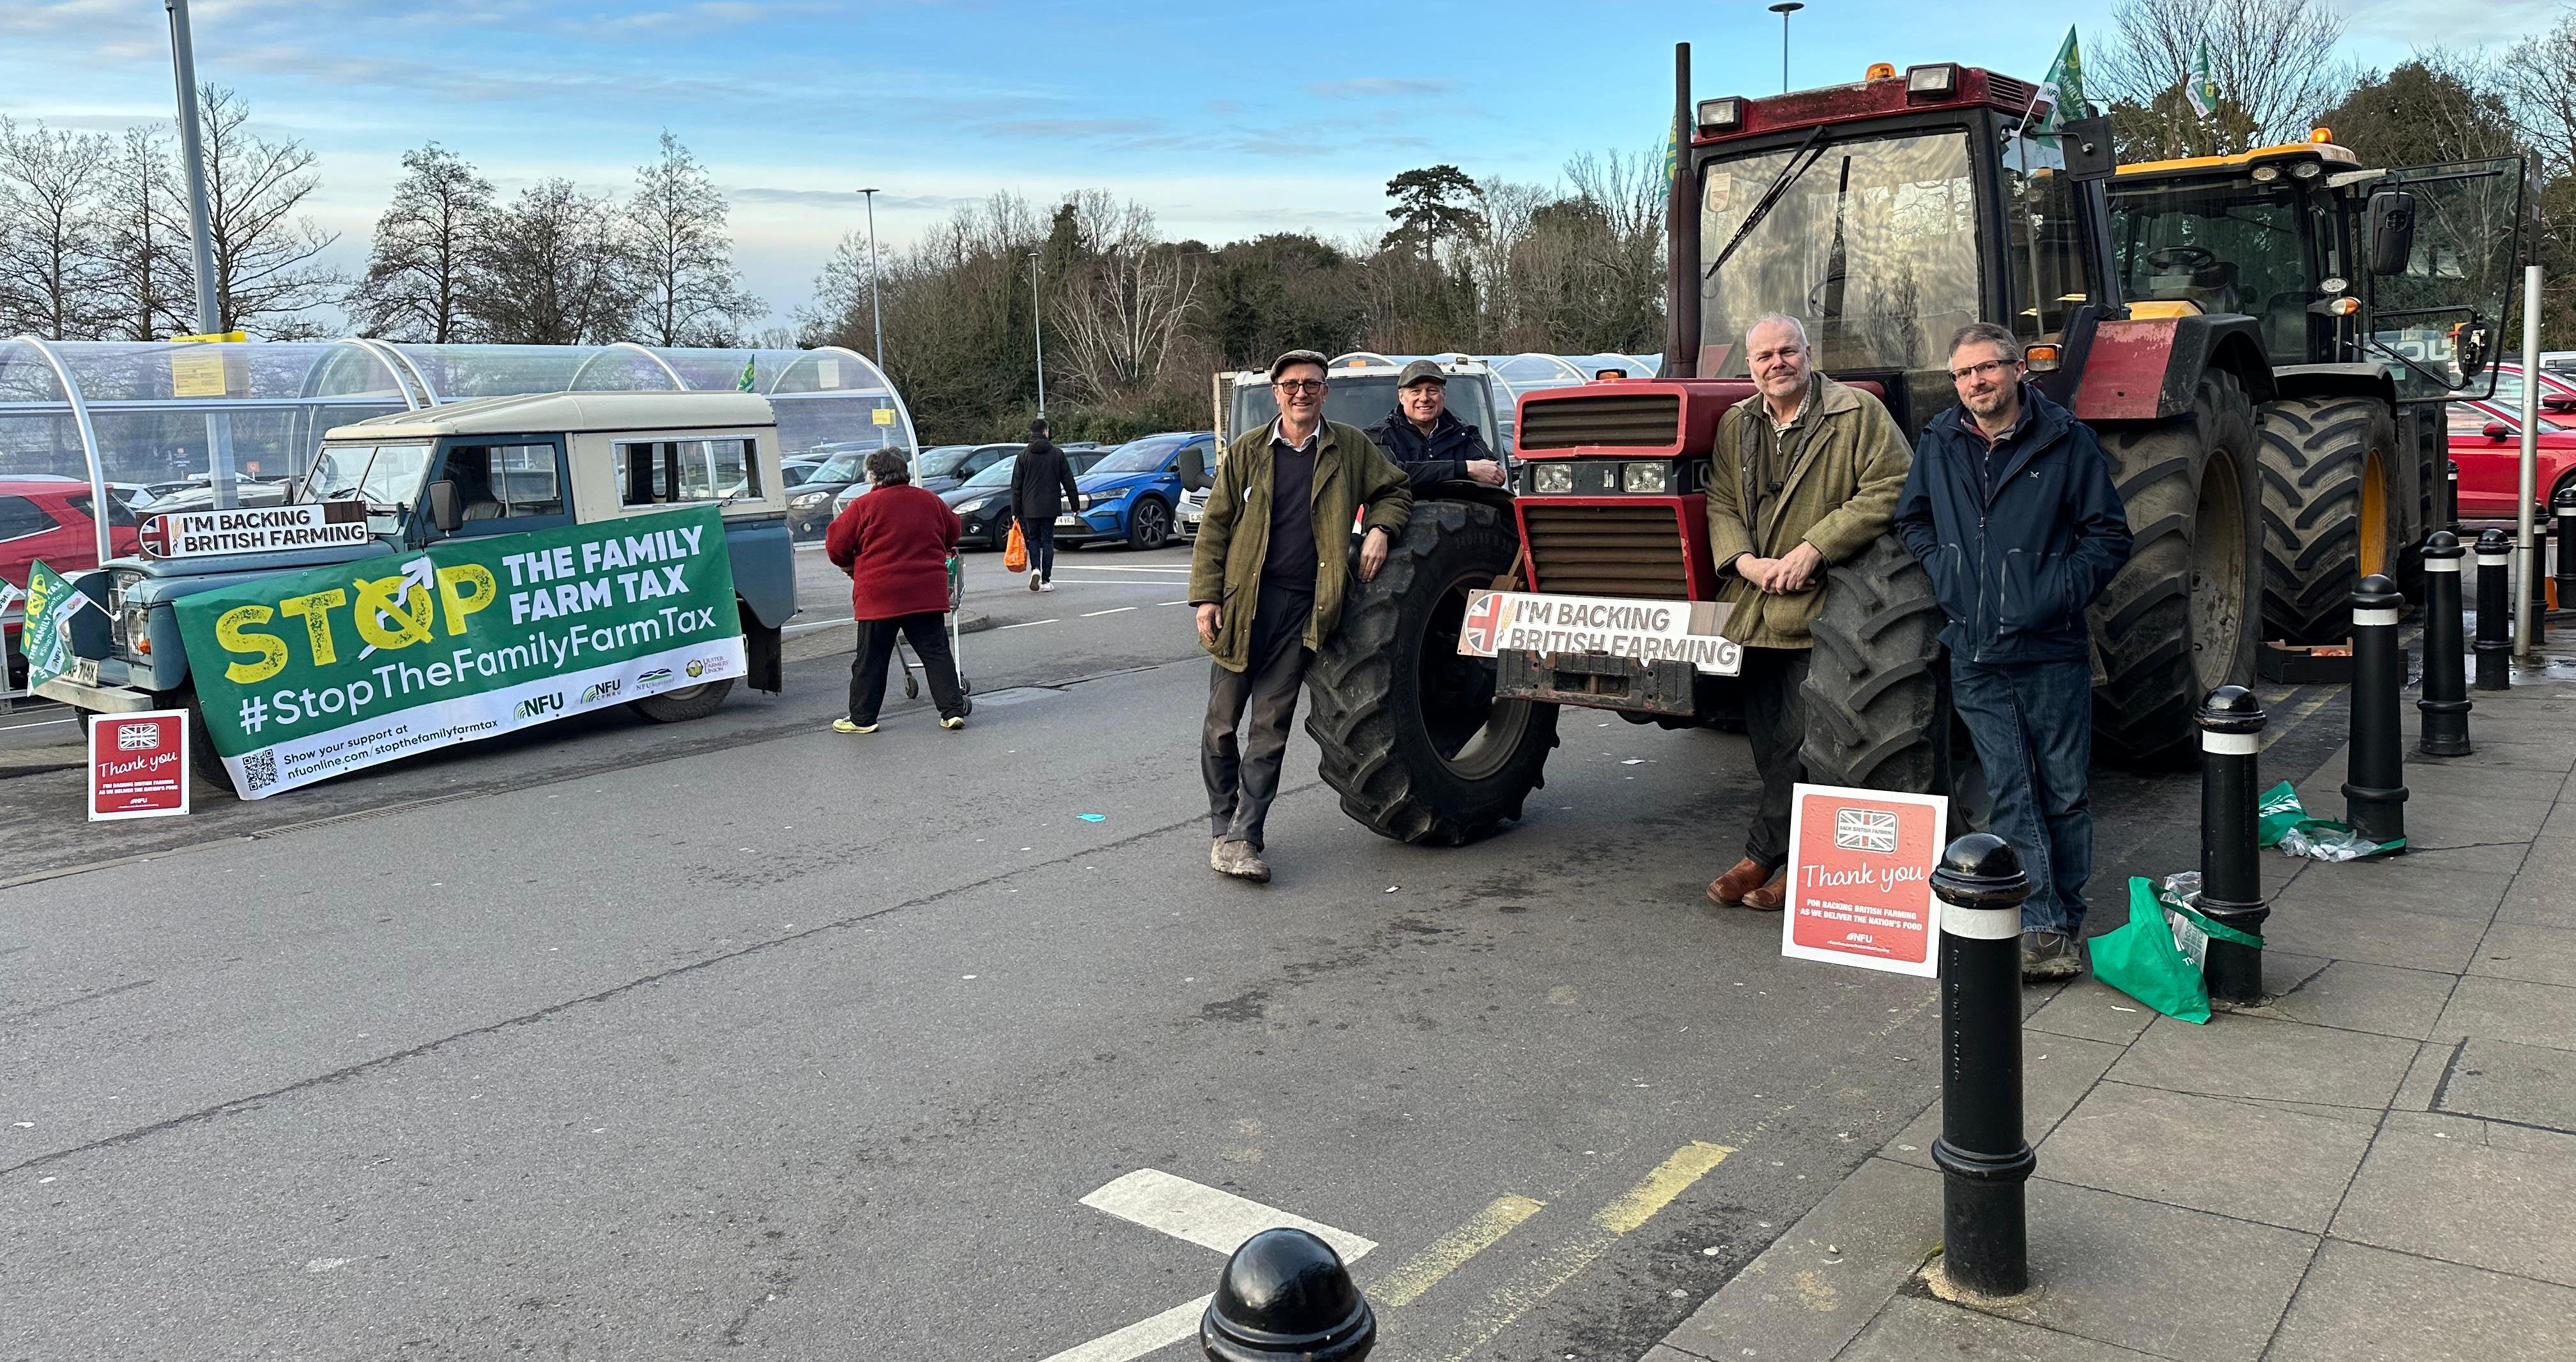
1626,420
1607,550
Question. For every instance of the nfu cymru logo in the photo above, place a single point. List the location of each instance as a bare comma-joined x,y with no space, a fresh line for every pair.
539,706
600,691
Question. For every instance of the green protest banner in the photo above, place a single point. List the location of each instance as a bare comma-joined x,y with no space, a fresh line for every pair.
311,674
51,601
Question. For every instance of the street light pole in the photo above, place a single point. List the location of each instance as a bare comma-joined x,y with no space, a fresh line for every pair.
192,150
1784,10
876,306
1037,327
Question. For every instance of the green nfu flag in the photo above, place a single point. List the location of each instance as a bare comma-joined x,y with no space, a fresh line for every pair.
2202,91
2063,90
743,384
307,675
1672,152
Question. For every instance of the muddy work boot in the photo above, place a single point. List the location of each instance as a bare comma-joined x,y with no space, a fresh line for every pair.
1239,860
2047,957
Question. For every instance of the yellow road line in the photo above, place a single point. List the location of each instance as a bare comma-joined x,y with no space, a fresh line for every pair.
1670,1179
2279,726
1634,1207
1424,1270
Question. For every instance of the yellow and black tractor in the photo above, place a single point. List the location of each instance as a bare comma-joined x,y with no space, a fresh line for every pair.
2370,326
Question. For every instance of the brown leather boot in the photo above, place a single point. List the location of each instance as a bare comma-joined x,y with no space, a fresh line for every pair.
1770,897
1731,887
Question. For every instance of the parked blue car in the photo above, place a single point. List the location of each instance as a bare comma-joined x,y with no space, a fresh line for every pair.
1133,491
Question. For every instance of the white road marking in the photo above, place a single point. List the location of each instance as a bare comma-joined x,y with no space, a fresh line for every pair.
1095,614
1031,624
1106,567
1171,602
793,630
1205,1216
1109,581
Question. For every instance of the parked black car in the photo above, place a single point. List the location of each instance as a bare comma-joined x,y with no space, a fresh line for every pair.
983,502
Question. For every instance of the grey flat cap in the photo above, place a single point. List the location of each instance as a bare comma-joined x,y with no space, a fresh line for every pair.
1420,370
1288,357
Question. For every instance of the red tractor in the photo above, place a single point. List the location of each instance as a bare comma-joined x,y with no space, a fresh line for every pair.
1888,213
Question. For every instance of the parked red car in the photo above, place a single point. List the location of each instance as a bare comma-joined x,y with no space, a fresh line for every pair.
2486,442
52,521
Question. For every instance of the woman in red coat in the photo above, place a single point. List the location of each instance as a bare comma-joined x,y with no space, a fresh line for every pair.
895,542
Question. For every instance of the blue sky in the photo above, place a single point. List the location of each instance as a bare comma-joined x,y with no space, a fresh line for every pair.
1226,120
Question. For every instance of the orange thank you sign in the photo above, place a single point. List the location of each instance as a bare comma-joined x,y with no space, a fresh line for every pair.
1860,878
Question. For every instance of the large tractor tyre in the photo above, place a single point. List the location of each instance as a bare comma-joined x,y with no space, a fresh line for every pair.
1412,736
2181,619
1873,684
2331,511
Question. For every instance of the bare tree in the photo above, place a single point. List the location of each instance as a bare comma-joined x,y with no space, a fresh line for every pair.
268,273
2273,62
150,291
692,294
420,267
1123,310
553,268
2538,81
53,270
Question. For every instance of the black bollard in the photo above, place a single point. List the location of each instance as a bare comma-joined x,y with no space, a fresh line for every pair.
2374,787
1981,1153
2231,878
1285,1294
2445,705
2451,513
2495,611
2563,508
2537,577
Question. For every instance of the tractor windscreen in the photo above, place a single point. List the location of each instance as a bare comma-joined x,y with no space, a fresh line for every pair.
2226,245
1872,243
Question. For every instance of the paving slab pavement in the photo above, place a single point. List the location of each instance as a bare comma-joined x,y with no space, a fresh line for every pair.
2378,1161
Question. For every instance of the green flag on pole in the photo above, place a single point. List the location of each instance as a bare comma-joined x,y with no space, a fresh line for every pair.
743,384
1672,152
2063,88
2202,91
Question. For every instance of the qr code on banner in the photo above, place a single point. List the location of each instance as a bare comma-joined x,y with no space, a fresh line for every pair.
137,737
259,770
1864,830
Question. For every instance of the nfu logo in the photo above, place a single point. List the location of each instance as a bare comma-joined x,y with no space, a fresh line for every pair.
600,691
539,706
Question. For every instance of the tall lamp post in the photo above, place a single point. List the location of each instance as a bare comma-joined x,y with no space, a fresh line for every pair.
192,149
876,306
1784,10
1037,327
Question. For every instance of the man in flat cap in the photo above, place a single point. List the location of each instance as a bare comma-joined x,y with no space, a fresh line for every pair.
1428,443
1268,573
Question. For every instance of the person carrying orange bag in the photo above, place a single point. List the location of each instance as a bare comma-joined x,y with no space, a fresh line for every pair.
1015,549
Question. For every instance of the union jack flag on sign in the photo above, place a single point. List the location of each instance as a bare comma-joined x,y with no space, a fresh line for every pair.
1864,830
1485,621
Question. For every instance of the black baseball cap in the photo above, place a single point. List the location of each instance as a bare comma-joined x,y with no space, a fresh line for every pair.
1288,357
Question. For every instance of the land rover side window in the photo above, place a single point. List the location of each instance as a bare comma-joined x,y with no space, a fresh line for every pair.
661,472
501,482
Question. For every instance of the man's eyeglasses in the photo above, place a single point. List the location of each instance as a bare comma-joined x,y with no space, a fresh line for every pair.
1986,370
1299,385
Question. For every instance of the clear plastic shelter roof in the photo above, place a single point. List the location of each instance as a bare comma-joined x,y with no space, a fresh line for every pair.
138,411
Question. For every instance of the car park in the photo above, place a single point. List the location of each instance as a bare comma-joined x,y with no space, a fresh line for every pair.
810,501
1134,492
940,468
983,502
2486,442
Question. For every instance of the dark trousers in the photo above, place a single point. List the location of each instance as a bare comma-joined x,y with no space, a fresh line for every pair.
2033,726
1242,781
929,634
1775,720
1038,532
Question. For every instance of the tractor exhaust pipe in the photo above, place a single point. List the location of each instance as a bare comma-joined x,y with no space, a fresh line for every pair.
1681,236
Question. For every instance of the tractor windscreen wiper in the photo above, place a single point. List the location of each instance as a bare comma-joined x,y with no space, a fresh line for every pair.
1789,173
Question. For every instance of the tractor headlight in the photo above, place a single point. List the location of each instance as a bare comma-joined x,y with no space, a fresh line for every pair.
1653,479
1552,477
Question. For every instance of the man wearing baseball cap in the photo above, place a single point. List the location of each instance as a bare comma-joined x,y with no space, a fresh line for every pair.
1428,443
1268,575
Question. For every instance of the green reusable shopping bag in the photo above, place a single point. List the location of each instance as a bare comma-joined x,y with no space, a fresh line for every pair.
2276,813
2142,960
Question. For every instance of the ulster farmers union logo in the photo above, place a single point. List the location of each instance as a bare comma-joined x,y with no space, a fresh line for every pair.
1864,830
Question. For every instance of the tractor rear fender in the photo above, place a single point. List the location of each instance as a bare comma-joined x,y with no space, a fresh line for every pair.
2149,368
2336,380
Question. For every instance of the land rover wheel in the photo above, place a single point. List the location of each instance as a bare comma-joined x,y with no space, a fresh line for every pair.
1412,736
688,702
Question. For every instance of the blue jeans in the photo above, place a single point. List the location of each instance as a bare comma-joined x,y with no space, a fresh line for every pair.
2032,723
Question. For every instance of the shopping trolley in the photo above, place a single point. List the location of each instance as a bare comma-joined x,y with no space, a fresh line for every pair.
903,654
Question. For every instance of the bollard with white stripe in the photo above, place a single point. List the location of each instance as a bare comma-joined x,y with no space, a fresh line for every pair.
2535,578
1981,1153
2563,508
2451,512
2231,878
2495,611
2445,705
2374,787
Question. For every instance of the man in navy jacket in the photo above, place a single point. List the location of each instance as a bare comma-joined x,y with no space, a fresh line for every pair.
2011,509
